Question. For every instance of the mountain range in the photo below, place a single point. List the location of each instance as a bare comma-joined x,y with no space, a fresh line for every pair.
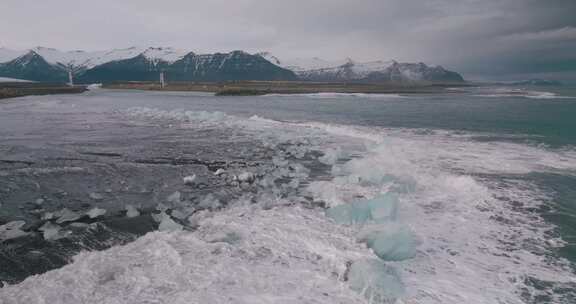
144,64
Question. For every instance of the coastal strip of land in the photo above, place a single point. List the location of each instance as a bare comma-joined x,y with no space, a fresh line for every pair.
253,88
20,89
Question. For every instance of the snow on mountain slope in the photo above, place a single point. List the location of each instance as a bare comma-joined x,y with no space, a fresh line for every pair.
316,69
88,60
303,64
345,68
364,69
57,57
164,54
9,55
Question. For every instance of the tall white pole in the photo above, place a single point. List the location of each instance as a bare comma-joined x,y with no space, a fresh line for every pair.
70,78
162,81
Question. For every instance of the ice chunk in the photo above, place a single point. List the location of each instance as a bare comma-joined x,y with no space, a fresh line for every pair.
391,242
331,156
379,209
12,230
209,202
279,161
167,223
376,281
67,215
95,212
178,214
52,232
96,196
219,172
246,177
48,216
131,211
224,237
79,225
174,197
189,180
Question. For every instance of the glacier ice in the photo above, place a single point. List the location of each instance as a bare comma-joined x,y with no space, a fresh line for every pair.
12,230
392,242
131,211
376,281
209,202
223,237
52,232
189,180
246,177
67,215
96,212
174,198
379,209
96,196
167,223
331,156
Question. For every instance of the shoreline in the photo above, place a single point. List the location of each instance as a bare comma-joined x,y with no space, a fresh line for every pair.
258,88
22,89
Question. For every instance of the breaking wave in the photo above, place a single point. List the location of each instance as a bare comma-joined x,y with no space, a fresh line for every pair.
407,218
339,95
520,93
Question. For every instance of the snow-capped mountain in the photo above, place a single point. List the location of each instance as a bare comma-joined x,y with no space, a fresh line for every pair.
136,64
236,65
303,64
316,69
87,60
144,64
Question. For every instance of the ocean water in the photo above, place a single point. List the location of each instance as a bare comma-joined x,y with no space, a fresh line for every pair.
156,197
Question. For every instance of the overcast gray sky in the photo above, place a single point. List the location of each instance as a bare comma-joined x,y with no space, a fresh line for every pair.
481,38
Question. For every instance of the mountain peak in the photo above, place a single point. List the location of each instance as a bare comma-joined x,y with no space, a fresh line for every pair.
317,69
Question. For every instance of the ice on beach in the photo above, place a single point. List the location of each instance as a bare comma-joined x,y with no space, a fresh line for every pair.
67,215
47,216
380,209
246,177
96,196
330,156
12,230
174,198
167,223
131,211
223,237
392,242
210,202
96,212
189,180
376,281
52,232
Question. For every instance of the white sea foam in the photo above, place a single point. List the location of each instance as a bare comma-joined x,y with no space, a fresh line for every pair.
520,93
241,255
339,95
462,257
470,247
452,214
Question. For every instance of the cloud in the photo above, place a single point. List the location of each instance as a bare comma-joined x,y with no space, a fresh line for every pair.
473,36
567,33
